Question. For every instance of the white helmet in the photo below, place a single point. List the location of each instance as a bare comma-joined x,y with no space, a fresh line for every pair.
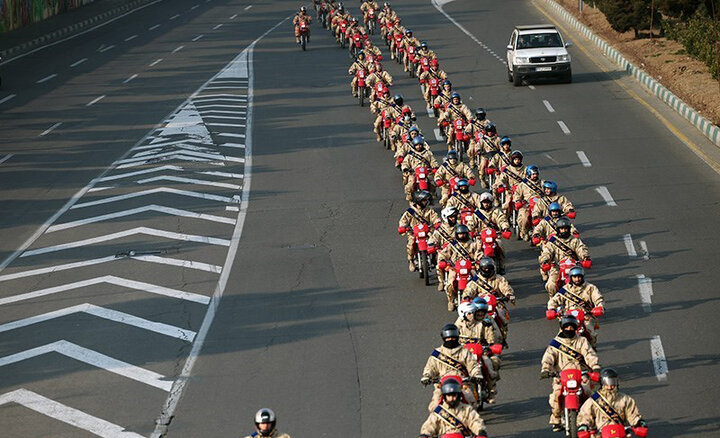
447,212
466,308
265,415
486,196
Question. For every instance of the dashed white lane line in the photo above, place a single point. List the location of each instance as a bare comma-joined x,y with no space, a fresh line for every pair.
156,62
130,38
46,78
194,7
66,414
605,193
78,62
154,27
438,134
7,98
583,159
548,106
248,7
178,48
6,157
234,17
644,250
105,49
231,208
130,78
96,100
430,112
50,129
564,127
197,37
532,87
658,357
549,157
217,26
175,16
629,246
646,292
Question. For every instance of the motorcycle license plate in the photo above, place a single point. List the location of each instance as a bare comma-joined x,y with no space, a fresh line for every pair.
463,272
543,68
422,176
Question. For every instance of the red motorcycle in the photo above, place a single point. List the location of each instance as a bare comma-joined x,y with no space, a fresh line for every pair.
483,353
421,179
304,34
342,29
363,91
571,397
434,85
466,216
370,20
398,47
497,312
387,123
463,275
412,60
616,431
357,44
422,257
460,138
488,239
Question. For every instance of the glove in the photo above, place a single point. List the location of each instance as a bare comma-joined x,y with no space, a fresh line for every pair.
535,221
640,431
518,205
489,170
500,189
571,214
545,267
433,170
583,433
594,376
503,169
425,381
437,225
587,263
399,160
442,265
535,240
437,106
550,314
471,181
496,349
506,234
402,230
544,375
431,249
598,311
439,182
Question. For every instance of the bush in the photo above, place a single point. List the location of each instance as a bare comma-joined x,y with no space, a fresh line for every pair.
699,36
624,15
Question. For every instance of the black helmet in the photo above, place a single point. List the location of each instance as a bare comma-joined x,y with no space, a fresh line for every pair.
516,153
398,100
423,45
609,377
265,415
450,331
563,226
480,114
490,128
452,155
460,229
451,386
487,267
569,320
421,196
361,55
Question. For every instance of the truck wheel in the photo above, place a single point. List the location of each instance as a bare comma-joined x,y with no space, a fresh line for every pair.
517,80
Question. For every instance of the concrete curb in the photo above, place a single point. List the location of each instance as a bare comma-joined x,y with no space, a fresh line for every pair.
711,131
29,45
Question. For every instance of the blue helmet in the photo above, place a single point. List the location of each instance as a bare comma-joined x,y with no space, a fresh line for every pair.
577,270
418,140
423,45
552,185
463,183
532,169
454,95
452,155
447,82
408,32
555,207
414,128
506,140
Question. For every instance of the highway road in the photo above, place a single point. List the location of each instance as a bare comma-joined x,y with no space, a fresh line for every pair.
209,157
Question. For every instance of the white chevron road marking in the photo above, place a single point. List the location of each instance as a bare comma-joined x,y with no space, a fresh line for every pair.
155,191
140,172
200,182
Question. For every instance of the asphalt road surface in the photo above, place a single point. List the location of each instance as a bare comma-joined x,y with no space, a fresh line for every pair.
235,164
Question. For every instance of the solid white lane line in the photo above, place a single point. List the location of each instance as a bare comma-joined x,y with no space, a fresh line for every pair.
644,250
564,127
191,194
646,292
233,17
548,106
438,134
197,37
217,27
153,27
603,191
658,358
627,238
50,129
105,49
439,4
94,358
139,210
46,78
583,159
66,414
248,7
7,98
156,62
174,16
130,78
177,49
130,38
215,105
199,182
76,63
5,158
105,313
96,100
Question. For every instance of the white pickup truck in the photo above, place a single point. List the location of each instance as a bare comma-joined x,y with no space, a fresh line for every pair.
537,51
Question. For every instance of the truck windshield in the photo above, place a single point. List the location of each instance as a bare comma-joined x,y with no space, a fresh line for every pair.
539,40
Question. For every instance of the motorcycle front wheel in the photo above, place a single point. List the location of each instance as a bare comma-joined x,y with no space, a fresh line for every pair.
571,428
425,266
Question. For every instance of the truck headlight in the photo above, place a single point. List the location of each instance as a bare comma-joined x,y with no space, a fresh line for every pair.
522,59
563,58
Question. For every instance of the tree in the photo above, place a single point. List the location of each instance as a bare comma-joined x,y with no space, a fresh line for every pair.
624,15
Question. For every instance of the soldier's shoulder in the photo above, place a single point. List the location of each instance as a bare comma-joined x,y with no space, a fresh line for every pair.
282,435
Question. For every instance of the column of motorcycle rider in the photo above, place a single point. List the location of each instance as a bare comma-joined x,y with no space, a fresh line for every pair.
463,245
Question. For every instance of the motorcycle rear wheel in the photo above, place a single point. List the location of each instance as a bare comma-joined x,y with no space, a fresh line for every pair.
303,42
425,266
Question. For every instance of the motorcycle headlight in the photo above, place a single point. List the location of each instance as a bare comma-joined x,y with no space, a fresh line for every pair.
572,384
522,59
488,240
422,175
563,58
463,272
421,234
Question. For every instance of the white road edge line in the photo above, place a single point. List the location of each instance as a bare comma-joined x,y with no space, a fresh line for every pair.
66,414
564,127
658,358
548,106
76,63
48,131
7,98
583,159
627,238
179,385
607,197
646,292
96,100
46,78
